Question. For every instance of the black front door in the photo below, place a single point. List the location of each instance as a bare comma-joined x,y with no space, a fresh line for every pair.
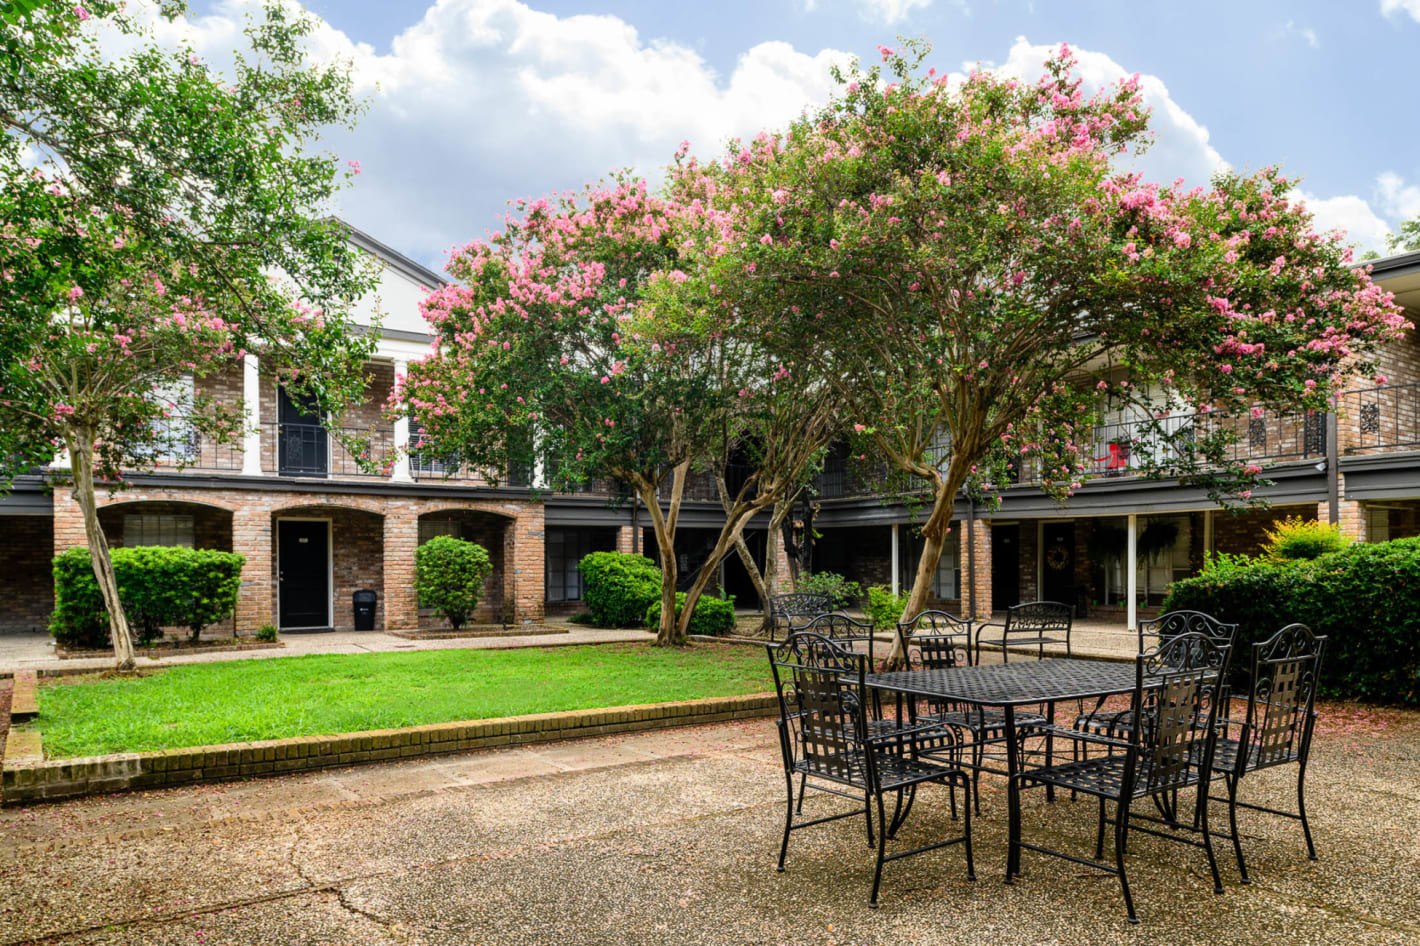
303,552
1005,566
1057,550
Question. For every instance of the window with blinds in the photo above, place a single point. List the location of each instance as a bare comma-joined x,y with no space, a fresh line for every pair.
157,530
1377,525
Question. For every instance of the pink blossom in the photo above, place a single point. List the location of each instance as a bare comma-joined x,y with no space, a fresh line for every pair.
81,13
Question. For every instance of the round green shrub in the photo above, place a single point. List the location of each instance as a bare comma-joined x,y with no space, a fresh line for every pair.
841,592
618,587
713,616
1297,538
449,575
885,608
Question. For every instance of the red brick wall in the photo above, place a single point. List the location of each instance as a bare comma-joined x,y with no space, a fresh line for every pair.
253,514
1243,532
26,572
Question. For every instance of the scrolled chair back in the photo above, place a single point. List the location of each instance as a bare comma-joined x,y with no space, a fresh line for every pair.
1285,668
1170,624
935,640
1175,706
820,687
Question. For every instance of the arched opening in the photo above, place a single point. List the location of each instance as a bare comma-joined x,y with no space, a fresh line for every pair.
488,530
26,573
321,555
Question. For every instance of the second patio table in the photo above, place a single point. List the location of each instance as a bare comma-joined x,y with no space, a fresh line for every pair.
1008,686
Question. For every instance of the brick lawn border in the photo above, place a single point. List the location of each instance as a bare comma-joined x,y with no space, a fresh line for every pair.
28,778
167,650
448,634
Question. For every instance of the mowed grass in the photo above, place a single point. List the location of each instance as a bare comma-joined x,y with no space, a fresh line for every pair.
246,700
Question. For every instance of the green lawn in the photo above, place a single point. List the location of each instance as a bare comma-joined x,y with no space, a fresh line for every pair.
246,700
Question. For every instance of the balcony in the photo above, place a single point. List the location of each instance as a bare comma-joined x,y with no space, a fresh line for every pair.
1375,420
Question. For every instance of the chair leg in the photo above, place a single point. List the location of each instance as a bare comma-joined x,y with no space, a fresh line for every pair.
970,862
1302,812
803,780
898,815
1232,784
1202,813
1013,838
1099,833
868,814
1121,841
978,755
882,850
788,819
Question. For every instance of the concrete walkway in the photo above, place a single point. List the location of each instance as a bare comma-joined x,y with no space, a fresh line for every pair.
36,651
670,838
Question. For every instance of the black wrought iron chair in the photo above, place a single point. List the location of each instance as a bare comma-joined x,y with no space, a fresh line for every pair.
1278,727
1152,633
1035,622
825,740
936,640
788,610
842,630
1174,708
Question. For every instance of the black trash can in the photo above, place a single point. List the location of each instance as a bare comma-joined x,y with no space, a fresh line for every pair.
365,609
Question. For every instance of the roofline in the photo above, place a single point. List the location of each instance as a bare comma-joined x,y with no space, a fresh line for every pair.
395,259
1399,264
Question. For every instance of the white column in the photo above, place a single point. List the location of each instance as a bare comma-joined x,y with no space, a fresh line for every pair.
895,536
251,398
1131,581
400,474
1207,532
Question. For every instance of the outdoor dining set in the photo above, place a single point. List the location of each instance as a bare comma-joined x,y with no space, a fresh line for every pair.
1184,737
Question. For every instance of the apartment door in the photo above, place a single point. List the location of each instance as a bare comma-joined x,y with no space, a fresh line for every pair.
1005,566
1057,567
303,569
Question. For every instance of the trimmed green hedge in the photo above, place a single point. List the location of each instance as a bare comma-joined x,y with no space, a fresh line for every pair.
160,587
885,608
619,587
1365,599
712,615
449,575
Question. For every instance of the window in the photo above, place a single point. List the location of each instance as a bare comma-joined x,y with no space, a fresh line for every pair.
567,547
428,528
157,530
1377,524
174,440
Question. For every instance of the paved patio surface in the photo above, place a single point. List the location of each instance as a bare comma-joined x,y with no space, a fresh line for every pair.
670,837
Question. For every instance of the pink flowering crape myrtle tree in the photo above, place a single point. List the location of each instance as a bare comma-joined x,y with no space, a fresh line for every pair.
158,220
572,339
965,262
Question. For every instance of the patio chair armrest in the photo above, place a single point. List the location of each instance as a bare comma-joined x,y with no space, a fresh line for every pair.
1075,735
897,734
982,627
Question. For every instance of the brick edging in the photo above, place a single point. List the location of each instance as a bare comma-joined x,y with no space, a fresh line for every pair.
28,780
158,653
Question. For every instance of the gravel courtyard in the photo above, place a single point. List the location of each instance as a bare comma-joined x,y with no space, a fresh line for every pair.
671,837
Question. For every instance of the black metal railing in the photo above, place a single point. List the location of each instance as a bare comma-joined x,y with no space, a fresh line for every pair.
1379,418
183,448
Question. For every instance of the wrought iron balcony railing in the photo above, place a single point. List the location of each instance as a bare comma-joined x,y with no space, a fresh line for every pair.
1380,418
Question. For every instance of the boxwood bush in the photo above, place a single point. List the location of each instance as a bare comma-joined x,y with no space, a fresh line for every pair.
449,575
618,587
1365,599
712,615
160,586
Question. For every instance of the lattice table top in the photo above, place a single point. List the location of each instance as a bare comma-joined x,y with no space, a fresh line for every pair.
1011,684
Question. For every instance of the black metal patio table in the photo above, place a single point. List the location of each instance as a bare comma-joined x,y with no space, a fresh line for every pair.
1008,686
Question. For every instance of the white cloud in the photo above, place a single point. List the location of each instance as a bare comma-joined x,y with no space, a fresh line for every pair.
1353,215
890,11
1392,7
1397,198
1181,147
486,100
1307,33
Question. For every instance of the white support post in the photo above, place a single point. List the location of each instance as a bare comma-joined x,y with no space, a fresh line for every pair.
400,473
251,399
539,478
896,581
1207,532
1131,579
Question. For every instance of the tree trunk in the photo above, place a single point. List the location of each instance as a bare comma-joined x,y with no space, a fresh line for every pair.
934,533
762,584
732,530
664,526
81,452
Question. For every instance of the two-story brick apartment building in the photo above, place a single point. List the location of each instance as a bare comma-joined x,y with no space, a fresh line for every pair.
315,528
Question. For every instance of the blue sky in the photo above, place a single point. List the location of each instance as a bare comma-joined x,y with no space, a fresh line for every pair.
474,102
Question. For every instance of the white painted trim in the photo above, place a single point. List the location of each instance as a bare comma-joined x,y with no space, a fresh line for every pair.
1131,580
400,473
251,395
896,540
329,563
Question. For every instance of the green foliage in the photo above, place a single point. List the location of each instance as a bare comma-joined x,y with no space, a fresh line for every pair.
712,615
268,633
449,575
1296,538
841,592
159,586
584,618
884,607
618,587
1364,598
